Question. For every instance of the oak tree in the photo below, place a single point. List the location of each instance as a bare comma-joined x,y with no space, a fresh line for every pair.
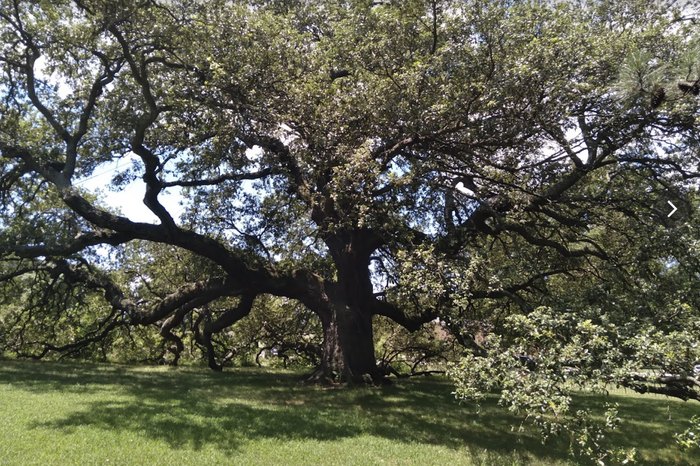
397,159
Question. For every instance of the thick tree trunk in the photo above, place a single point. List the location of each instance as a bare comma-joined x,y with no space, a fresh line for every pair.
348,346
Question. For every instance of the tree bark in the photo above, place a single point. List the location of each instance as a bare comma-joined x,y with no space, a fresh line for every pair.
348,345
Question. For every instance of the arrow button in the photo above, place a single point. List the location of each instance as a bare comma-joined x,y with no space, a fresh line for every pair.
674,208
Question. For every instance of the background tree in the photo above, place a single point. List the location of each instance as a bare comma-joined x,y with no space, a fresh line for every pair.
362,159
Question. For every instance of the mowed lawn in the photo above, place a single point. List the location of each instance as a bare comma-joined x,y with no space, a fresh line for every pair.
53,413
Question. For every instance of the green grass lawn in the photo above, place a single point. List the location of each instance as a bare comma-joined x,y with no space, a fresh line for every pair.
54,413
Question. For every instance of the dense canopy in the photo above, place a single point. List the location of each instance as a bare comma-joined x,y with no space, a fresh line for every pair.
465,160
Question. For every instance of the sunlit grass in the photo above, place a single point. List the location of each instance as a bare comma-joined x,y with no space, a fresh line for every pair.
92,414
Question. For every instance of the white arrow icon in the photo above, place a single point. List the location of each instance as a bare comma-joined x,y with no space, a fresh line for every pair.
674,208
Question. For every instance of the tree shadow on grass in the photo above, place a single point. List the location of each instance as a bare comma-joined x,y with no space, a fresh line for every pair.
224,427
227,410
193,408
183,423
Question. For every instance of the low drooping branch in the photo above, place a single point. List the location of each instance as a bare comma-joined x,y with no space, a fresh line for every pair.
228,318
175,319
105,327
409,322
84,275
171,309
94,278
187,296
673,385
